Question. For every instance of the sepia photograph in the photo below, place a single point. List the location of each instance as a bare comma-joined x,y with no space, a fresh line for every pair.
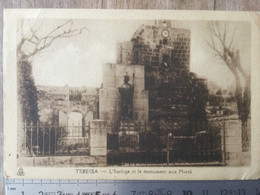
104,96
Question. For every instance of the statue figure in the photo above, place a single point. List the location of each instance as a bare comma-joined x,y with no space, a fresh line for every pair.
126,91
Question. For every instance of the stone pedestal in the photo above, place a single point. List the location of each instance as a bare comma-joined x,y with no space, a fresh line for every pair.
233,145
98,138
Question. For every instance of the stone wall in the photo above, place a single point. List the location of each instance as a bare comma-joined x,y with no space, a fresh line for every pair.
109,97
64,161
148,47
56,103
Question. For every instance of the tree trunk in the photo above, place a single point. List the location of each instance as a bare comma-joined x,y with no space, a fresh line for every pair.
27,92
243,100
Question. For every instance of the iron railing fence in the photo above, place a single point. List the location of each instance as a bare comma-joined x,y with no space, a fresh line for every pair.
205,146
50,140
132,143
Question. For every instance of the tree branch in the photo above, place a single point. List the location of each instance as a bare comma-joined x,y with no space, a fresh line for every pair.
47,40
231,60
59,27
19,50
231,42
217,51
224,35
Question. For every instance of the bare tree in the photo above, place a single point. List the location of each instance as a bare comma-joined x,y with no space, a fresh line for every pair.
35,41
223,48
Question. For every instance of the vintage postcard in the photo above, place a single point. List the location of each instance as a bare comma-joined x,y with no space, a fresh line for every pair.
131,94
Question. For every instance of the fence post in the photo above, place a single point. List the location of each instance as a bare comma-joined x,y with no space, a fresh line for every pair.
168,148
55,132
31,150
193,127
25,137
224,142
43,144
79,134
49,131
37,137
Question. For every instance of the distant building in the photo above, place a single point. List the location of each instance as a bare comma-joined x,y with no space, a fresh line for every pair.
57,104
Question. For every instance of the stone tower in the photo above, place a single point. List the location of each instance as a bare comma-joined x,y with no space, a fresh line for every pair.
164,51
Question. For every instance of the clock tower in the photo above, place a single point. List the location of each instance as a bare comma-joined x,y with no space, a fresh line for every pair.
164,52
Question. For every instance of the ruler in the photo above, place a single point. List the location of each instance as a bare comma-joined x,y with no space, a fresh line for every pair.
130,187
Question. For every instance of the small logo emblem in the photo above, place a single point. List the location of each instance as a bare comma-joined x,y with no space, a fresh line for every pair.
20,172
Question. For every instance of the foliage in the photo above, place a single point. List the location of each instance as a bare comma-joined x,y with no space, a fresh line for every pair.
197,97
27,92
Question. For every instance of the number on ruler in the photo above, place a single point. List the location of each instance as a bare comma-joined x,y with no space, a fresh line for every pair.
187,192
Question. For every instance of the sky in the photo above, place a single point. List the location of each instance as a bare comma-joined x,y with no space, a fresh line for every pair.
77,61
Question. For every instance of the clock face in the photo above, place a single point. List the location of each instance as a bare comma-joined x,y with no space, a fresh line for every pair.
165,33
